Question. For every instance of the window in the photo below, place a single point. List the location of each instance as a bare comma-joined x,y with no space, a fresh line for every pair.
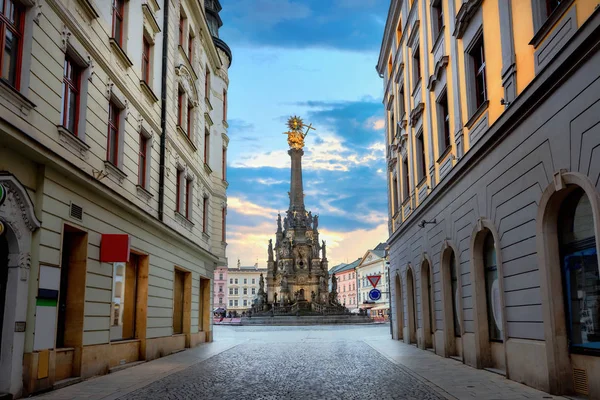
224,163
224,224
235,291
492,288
245,291
405,189
236,281
551,6
220,288
230,303
190,119
145,60
220,300
224,105
437,17
253,290
231,281
421,156
12,20
205,218
245,302
181,28
190,47
236,303
398,32
188,198
443,123
220,277
178,199
112,146
401,108
207,84
245,281
395,195
230,291
478,79
392,127
416,66
579,270
142,158
253,281
123,301
180,100
390,66
71,90
206,145
118,16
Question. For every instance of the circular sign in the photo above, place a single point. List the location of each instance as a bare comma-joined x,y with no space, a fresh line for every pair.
375,294
2,194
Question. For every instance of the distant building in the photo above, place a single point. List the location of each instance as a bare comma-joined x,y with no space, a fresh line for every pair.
242,286
347,285
220,292
373,263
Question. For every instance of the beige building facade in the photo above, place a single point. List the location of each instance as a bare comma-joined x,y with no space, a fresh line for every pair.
242,286
494,185
113,166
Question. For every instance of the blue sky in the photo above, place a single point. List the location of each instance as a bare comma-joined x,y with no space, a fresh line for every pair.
315,59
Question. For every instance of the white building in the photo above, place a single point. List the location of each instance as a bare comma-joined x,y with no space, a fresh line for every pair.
243,285
373,263
99,137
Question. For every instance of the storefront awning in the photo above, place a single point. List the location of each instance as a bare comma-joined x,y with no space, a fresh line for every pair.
381,307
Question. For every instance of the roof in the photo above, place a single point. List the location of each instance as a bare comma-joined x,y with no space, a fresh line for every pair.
349,266
381,246
336,268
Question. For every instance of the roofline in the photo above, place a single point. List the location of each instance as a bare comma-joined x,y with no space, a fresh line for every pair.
393,12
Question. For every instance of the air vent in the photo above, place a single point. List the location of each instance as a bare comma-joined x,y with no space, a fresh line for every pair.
580,381
76,212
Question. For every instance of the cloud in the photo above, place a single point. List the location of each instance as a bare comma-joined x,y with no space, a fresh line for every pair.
268,181
245,207
375,123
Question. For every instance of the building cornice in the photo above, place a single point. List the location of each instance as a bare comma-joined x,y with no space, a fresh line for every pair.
388,37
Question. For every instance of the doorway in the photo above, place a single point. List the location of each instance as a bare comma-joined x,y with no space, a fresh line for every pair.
412,309
427,304
399,306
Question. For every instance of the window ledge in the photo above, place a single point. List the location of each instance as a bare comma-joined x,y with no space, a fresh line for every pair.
417,84
225,124
187,138
73,142
421,182
207,169
148,91
550,22
206,236
12,95
114,172
143,192
207,102
150,17
90,8
183,220
437,38
477,114
120,52
444,154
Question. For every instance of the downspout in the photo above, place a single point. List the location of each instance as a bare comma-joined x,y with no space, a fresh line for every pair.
163,113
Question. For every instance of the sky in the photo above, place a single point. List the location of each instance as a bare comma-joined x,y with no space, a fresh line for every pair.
315,59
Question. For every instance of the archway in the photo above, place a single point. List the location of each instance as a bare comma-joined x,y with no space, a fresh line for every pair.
399,307
568,225
427,306
488,299
411,337
451,295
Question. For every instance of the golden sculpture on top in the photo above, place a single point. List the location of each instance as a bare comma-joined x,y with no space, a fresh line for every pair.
295,134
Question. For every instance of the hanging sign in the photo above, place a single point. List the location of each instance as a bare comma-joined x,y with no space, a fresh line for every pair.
2,194
374,279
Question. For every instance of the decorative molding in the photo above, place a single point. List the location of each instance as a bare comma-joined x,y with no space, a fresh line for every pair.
437,72
150,18
37,11
90,8
114,173
24,265
413,38
550,22
12,95
416,113
74,143
477,114
21,200
184,221
184,73
225,139
120,53
464,16
148,91
64,41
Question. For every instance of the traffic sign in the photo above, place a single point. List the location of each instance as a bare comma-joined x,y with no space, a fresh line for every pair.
375,294
374,279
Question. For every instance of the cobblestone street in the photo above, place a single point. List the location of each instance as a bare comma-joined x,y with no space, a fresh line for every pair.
327,362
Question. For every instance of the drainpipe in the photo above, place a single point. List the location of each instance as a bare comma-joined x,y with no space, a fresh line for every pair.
163,112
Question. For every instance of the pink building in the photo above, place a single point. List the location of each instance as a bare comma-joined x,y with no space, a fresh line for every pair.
220,288
346,285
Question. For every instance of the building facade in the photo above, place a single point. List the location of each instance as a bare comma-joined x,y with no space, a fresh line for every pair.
346,285
494,205
243,285
220,292
112,183
372,263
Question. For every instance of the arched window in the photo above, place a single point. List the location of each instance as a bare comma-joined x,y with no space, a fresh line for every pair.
492,288
579,270
454,287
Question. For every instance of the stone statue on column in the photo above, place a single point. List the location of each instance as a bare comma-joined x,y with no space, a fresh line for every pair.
270,250
324,250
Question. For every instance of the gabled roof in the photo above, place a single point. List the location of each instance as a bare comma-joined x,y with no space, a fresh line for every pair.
336,268
350,266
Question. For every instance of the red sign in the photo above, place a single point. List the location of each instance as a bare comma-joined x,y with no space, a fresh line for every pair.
374,279
114,248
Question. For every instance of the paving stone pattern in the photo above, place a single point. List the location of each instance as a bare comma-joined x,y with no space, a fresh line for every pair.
334,370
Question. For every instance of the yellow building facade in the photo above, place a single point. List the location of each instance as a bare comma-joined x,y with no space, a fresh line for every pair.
491,131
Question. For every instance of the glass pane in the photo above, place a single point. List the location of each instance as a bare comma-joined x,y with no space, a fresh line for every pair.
492,289
72,104
118,301
112,155
9,61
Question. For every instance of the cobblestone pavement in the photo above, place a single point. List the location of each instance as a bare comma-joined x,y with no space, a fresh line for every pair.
331,370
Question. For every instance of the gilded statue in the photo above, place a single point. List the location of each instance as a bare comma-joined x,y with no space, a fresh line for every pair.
295,134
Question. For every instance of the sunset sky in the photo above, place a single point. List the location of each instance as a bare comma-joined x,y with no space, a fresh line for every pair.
315,59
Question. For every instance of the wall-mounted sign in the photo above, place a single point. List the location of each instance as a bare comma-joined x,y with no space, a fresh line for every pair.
2,194
114,248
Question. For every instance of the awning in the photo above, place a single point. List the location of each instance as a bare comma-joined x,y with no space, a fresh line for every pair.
381,307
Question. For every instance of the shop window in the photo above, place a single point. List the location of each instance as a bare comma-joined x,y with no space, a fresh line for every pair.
580,277
492,288
12,21
126,297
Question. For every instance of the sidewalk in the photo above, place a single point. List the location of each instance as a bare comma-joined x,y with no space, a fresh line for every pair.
451,378
113,386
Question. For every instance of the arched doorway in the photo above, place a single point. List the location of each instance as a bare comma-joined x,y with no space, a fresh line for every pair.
412,309
399,307
451,294
427,306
